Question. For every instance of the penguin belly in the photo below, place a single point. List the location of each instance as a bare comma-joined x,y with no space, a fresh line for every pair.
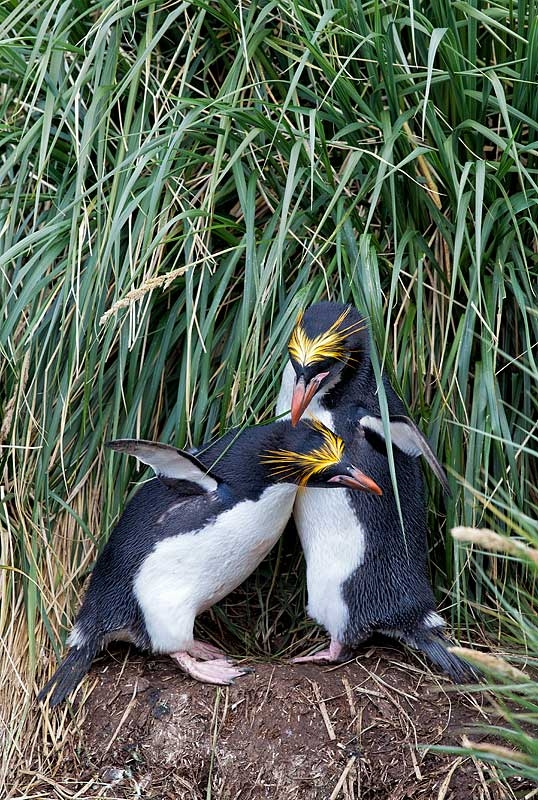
186,574
334,547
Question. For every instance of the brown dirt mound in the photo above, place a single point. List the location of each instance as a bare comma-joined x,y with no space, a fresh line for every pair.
359,731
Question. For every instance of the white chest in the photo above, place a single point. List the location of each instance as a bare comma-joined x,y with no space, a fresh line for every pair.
188,573
333,540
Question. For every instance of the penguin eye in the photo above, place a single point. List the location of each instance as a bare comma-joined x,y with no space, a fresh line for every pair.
312,372
324,366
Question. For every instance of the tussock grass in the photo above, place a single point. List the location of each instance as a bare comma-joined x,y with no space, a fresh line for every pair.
176,181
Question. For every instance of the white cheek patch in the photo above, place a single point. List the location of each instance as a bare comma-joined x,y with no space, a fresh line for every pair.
283,403
328,384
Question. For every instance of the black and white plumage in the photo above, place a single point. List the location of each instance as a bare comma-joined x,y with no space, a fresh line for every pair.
364,574
190,536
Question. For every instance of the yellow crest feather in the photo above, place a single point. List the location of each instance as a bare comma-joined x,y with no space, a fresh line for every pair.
329,344
300,467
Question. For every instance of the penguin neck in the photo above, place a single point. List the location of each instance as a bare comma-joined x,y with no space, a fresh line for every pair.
238,458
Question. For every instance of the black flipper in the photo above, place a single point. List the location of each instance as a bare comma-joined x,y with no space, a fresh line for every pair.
407,437
69,674
434,647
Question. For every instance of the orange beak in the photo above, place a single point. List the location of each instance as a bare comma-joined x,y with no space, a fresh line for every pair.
357,480
303,394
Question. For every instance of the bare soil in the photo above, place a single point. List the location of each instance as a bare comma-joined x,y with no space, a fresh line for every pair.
359,731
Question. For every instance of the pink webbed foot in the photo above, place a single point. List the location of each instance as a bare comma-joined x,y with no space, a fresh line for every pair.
206,652
218,671
330,654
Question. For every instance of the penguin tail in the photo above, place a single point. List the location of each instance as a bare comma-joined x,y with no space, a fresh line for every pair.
70,673
434,646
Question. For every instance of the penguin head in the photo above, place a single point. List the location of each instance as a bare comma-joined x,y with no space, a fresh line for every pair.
313,455
326,339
